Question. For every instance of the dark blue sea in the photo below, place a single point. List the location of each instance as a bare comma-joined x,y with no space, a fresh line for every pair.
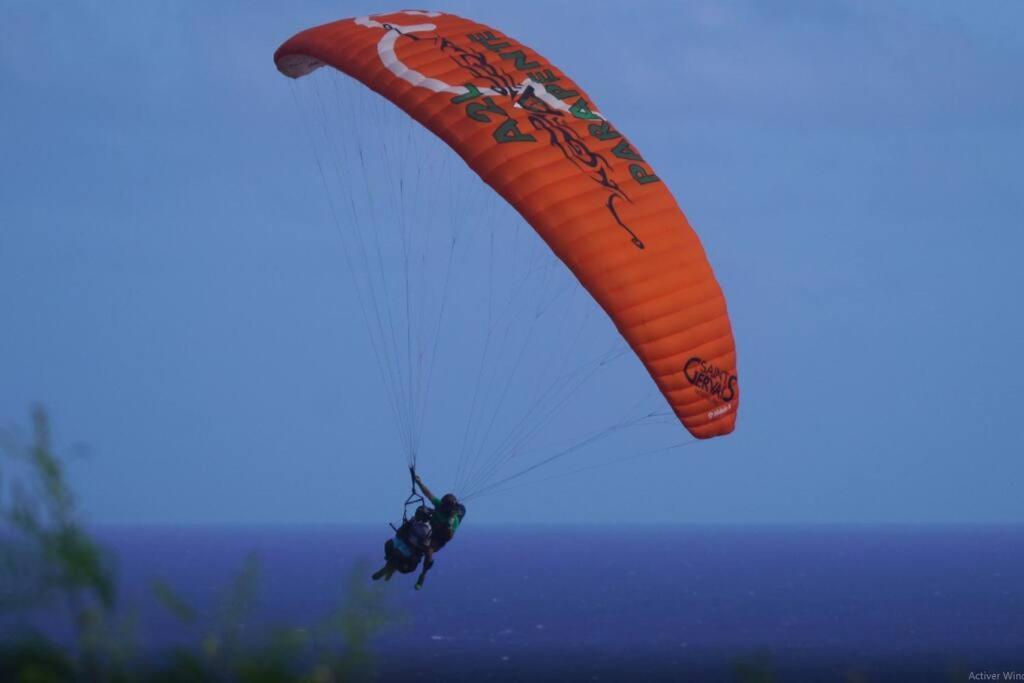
623,603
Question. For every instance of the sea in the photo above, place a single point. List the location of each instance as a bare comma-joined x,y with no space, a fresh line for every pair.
615,603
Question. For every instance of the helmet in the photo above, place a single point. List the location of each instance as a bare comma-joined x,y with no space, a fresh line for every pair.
448,503
422,514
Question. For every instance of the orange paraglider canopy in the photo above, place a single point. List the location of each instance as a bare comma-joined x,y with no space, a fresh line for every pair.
531,133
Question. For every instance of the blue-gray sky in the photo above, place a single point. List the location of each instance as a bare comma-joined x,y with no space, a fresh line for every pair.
169,286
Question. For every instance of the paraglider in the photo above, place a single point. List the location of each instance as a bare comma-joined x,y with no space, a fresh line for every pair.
533,134
537,138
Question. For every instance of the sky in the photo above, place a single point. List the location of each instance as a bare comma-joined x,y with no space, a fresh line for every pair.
172,290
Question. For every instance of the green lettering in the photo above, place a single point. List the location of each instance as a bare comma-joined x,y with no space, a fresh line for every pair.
472,92
478,111
546,76
624,151
487,40
530,102
560,92
520,58
509,131
581,110
642,175
603,131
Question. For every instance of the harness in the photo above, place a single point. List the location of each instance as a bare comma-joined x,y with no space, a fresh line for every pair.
414,500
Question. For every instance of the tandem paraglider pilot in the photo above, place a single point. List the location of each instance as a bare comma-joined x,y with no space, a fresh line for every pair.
419,538
448,514
410,544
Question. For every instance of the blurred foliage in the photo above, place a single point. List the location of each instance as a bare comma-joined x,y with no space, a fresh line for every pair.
50,564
